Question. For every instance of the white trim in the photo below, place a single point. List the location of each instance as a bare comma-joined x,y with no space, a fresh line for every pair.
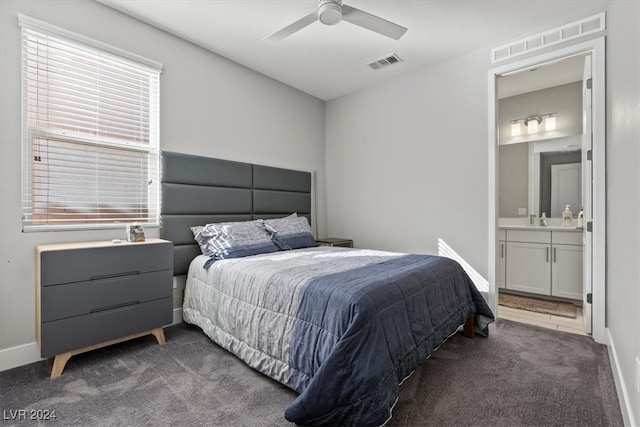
19,355
35,24
621,387
549,38
596,48
599,200
177,316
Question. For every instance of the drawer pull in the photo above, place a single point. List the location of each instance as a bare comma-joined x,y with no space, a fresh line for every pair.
114,276
115,308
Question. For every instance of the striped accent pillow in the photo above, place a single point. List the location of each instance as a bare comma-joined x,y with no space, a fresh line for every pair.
233,239
291,232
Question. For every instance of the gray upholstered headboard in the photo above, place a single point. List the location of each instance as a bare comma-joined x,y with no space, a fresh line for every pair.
199,190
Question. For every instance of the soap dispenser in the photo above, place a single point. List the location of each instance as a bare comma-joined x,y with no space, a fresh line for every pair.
566,217
543,220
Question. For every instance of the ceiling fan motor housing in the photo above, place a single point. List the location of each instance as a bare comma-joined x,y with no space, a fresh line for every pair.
330,11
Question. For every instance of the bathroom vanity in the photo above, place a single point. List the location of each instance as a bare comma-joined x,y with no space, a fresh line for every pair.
541,260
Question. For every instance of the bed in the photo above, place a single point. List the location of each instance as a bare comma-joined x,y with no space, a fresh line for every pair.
343,327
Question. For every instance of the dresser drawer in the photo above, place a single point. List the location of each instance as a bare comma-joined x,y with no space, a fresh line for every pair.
72,333
86,264
74,299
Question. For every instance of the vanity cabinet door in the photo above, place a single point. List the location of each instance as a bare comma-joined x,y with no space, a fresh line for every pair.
567,271
528,267
502,264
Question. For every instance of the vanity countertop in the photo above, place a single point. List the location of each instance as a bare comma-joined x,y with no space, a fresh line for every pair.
539,228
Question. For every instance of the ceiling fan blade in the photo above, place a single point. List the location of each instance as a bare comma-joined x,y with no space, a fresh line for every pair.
290,29
372,22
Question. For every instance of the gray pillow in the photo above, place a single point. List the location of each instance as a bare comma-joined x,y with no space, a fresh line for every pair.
291,232
233,239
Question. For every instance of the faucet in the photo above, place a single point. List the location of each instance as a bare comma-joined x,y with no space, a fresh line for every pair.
532,219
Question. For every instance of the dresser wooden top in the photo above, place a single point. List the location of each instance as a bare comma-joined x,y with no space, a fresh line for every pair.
96,244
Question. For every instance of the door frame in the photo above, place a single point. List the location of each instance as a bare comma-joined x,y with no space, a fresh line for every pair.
595,48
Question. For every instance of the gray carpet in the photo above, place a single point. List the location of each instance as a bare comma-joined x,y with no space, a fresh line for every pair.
520,375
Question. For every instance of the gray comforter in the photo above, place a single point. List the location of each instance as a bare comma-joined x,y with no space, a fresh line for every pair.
342,327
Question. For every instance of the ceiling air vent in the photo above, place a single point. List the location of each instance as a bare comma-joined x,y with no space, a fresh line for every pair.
385,62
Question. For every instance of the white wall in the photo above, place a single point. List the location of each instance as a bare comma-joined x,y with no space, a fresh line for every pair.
407,162
209,106
623,193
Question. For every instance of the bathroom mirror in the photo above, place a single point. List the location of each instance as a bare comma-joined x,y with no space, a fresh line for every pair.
540,176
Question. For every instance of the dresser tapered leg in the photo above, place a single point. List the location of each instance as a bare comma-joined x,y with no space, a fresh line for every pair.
59,363
159,334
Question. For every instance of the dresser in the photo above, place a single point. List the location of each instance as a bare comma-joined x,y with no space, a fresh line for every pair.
93,294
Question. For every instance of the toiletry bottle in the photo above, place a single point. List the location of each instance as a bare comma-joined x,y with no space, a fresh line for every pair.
566,217
543,220
581,219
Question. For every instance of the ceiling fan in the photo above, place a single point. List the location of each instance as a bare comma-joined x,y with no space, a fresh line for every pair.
330,12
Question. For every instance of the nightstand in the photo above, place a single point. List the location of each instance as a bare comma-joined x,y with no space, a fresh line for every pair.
93,294
330,241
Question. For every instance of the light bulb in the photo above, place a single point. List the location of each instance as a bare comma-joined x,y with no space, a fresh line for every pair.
550,123
515,129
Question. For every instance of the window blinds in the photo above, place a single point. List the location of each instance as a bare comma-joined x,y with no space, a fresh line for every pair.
90,134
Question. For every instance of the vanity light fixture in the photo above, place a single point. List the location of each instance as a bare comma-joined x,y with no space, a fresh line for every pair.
533,123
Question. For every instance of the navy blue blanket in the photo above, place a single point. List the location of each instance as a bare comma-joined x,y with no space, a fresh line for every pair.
365,330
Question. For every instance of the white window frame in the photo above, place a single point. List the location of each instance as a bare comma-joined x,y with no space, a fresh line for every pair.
30,131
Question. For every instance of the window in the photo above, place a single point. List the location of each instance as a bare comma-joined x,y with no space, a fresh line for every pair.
91,132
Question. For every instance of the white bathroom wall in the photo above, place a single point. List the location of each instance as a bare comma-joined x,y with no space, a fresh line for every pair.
564,100
209,106
513,185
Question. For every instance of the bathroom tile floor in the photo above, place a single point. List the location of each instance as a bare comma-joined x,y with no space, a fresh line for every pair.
574,326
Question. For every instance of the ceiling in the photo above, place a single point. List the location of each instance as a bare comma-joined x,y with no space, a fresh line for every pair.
330,61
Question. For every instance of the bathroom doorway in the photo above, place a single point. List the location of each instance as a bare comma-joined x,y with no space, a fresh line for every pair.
523,93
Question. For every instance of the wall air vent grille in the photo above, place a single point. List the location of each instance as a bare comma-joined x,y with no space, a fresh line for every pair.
571,31
385,62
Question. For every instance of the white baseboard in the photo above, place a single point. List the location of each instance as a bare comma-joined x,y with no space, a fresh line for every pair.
19,356
621,388
29,353
177,316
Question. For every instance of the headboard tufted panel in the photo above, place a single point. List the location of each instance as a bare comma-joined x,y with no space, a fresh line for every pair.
199,190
